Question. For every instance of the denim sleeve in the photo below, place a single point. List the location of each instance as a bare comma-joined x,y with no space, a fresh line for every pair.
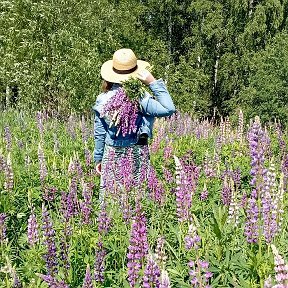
161,106
99,137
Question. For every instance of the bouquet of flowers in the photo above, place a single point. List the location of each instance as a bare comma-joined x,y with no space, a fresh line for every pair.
123,108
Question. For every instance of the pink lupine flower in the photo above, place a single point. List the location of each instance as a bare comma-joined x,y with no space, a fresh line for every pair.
281,268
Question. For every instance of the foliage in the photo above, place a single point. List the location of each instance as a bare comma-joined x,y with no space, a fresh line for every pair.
210,53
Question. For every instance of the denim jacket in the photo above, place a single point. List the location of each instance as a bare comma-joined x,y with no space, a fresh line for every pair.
161,106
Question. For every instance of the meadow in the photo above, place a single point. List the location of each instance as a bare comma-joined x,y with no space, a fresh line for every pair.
212,213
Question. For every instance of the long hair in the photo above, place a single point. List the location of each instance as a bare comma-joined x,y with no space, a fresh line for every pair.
106,86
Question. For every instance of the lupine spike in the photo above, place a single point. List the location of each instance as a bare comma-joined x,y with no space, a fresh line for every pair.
49,241
42,164
87,283
281,268
8,173
99,266
183,193
151,275
138,247
164,280
86,205
53,282
3,227
127,112
33,235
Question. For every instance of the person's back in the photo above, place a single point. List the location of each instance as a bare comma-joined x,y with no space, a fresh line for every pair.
107,133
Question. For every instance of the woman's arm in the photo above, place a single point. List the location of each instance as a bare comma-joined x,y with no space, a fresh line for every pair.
163,105
99,137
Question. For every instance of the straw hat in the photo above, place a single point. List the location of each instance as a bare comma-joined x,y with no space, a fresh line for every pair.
123,66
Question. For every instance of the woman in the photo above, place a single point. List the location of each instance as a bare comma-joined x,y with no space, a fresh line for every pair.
107,141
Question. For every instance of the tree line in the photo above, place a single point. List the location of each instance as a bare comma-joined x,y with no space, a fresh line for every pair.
215,56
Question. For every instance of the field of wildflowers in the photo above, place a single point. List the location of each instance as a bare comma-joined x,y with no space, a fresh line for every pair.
212,213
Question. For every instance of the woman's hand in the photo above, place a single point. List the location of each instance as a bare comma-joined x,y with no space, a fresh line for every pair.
145,76
98,168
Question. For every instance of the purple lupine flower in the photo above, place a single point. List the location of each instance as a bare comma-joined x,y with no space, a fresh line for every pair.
64,206
164,280
252,225
42,164
167,175
209,169
192,240
199,274
151,274
66,232
125,168
86,204
79,169
183,193
87,283
109,182
168,149
191,170
204,194
244,200
284,170
49,193
281,269
50,256
138,247
72,199
226,193
33,236
126,208
236,176
64,249
8,174
2,162
53,282
155,145
104,221
88,156
258,145
3,227
71,167
160,252
99,266
144,154
156,189
16,282
8,138
122,112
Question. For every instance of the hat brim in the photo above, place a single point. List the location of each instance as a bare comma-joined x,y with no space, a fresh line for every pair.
110,75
